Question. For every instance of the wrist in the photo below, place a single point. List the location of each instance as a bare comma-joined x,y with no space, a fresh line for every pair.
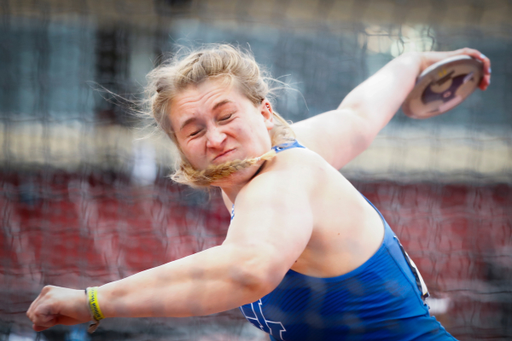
413,62
93,306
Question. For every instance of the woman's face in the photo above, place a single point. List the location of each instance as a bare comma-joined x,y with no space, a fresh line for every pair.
214,123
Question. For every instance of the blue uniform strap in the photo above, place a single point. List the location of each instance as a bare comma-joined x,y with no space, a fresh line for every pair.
287,145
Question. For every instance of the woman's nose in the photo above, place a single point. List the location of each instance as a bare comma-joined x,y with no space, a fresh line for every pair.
215,137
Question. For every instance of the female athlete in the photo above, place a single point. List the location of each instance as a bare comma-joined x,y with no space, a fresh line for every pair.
306,256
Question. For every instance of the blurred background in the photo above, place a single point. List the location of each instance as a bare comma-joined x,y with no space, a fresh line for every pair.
83,201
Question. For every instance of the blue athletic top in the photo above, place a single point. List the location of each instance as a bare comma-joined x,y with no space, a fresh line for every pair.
380,300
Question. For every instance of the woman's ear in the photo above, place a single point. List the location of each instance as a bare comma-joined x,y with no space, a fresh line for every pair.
267,113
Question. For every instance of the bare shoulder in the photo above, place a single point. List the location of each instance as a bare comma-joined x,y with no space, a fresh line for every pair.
337,135
292,169
273,211
286,180
289,181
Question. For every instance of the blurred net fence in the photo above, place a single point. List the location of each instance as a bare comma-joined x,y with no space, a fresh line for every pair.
83,202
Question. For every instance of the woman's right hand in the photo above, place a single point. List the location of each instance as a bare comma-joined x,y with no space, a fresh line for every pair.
57,305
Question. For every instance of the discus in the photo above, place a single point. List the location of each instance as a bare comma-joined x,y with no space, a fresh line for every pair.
442,86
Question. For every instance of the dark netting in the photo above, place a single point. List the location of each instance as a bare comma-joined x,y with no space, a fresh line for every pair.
83,202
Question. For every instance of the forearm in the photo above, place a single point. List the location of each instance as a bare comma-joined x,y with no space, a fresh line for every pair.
379,97
201,284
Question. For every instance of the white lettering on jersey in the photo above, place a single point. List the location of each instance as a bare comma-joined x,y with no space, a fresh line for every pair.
256,317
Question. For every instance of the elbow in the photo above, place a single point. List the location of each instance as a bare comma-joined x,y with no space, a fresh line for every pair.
257,276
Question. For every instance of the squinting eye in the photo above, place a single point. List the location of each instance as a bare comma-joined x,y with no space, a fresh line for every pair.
227,117
195,133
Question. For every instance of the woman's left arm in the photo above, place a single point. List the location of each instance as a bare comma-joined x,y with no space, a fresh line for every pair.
340,135
378,98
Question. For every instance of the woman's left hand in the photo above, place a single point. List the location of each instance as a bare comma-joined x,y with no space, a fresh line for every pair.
429,58
57,305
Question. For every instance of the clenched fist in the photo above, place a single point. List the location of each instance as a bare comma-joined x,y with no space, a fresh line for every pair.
57,305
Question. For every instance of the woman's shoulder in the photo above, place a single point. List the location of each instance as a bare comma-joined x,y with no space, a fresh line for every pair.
293,166
296,158
297,167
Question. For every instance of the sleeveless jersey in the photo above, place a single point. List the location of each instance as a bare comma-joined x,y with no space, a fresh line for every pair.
380,300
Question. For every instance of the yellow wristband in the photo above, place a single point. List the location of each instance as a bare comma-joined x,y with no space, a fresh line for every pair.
92,297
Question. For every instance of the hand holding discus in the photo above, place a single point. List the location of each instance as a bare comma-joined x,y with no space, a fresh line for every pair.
446,80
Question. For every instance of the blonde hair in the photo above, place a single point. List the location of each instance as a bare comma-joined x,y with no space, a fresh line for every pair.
214,61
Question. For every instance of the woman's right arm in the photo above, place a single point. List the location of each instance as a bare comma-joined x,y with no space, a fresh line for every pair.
271,229
340,135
